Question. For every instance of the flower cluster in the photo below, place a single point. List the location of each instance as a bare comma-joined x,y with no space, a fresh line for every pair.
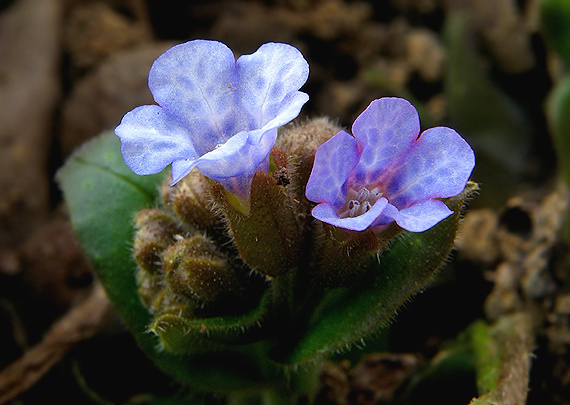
385,173
221,117
214,113
232,257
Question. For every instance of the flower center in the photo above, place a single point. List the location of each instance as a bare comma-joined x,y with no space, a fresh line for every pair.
361,203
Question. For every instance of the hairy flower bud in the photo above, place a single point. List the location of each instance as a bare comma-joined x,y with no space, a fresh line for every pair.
196,269
191,201
159,299
269,237
300,142
155,232
167,303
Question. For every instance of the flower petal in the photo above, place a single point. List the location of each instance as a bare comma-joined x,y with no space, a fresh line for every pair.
386,130
327,213
334,161
151,140
215,114
268,83
194,82
234,163
419,217
181,168
438,166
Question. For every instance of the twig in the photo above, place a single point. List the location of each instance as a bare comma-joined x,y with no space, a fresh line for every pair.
80,323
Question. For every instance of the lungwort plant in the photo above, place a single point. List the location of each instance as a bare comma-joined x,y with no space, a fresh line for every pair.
262,254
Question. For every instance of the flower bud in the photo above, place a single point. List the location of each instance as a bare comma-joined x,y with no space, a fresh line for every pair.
159,299
269,237
191,201
150,285
194,268
300,143
305,139
165,302
155,232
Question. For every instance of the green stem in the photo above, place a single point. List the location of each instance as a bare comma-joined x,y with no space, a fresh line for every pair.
283,294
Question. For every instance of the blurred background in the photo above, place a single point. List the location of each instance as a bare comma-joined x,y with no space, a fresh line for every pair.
70,69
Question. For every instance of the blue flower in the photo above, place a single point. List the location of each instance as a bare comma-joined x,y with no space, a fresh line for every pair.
214,113
387,173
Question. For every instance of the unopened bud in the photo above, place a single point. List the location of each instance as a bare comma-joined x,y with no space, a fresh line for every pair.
300,143
168,303
269,237
304,139
196,269
190,200
156,231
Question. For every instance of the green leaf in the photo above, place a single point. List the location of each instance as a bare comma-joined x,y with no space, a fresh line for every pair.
102,196
555,19
347,315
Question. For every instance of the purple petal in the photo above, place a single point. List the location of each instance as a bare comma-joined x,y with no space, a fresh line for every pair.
386,130
438,166
151,140
326,213
419,217
334,161
194,82
268,84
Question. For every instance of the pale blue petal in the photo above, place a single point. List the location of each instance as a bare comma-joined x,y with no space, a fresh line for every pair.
269,80
419,217
215,114
234,163
327,213
386,130
151,140
181,169
290,109
438,166
195,83
334,161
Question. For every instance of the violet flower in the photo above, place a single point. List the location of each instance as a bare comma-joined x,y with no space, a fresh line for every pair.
214,113
386,173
